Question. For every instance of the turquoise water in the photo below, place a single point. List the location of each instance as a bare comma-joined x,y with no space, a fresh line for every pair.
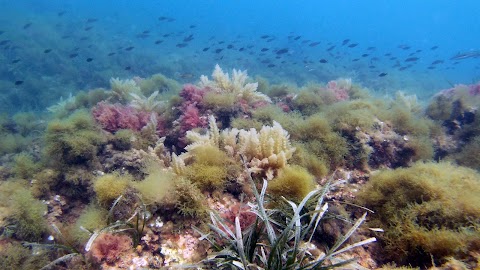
50,49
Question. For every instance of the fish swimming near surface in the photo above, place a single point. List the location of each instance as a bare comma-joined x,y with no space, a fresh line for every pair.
465,55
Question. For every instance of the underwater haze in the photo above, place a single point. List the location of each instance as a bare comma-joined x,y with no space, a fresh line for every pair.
51,49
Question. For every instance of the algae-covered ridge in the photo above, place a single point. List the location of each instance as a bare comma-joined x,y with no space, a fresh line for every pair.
229,172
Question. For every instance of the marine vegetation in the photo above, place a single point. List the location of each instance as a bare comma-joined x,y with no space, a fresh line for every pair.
429,212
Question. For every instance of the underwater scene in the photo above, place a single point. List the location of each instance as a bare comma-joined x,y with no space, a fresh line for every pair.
162,134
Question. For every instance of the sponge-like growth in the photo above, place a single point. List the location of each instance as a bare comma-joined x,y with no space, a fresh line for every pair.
108,187
427,211
292,182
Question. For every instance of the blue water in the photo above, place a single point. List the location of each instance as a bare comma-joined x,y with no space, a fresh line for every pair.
57,47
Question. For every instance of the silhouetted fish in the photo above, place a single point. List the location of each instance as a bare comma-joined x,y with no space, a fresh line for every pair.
129,48
313,44
323,61
264,49
331,48
192,26
270,65
88,28
205,49
158,41
355,60
461,56
15,61
282,51
241,49
353,45
411,59
181,45
18,82
365,55
73,55
111,54
230,46
128,67
345,42
47,50
61,13
436,62
297,37
270,39
1,32
371,48
218,50
26,26
188,38
89,59
434,48
264,36
383,74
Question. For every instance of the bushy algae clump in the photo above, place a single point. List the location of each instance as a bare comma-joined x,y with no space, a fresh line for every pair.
429,211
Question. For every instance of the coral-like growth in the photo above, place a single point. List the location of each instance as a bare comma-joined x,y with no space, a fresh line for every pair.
108,247
114,117
265,151
429,211
122,89
236,84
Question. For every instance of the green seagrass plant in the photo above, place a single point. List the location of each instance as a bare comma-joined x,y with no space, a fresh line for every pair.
277,243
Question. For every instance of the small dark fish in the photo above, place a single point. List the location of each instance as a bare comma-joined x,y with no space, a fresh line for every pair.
146,32
47,50
402,68
158,41
393,58
411,59
61,13
88,28
162,18
430,67
73,55
264,49
264,36
205,49
188,39
461,56
265,61
331,48
305,41
282,51
345,42
26,26
128,67
92,20
218,50
406,48
170,20
355,60
323,61
297,37
142,36
18,82
192,26
181,45
372,66
84,38
371,48
111,54
418,51
15,61
434,48
383,74
241,49
365,55
1,32
221,42
230,46
65,36
353,45
387,54
436,62
89,59
313,44
129,48
166,35
271,65
270,39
